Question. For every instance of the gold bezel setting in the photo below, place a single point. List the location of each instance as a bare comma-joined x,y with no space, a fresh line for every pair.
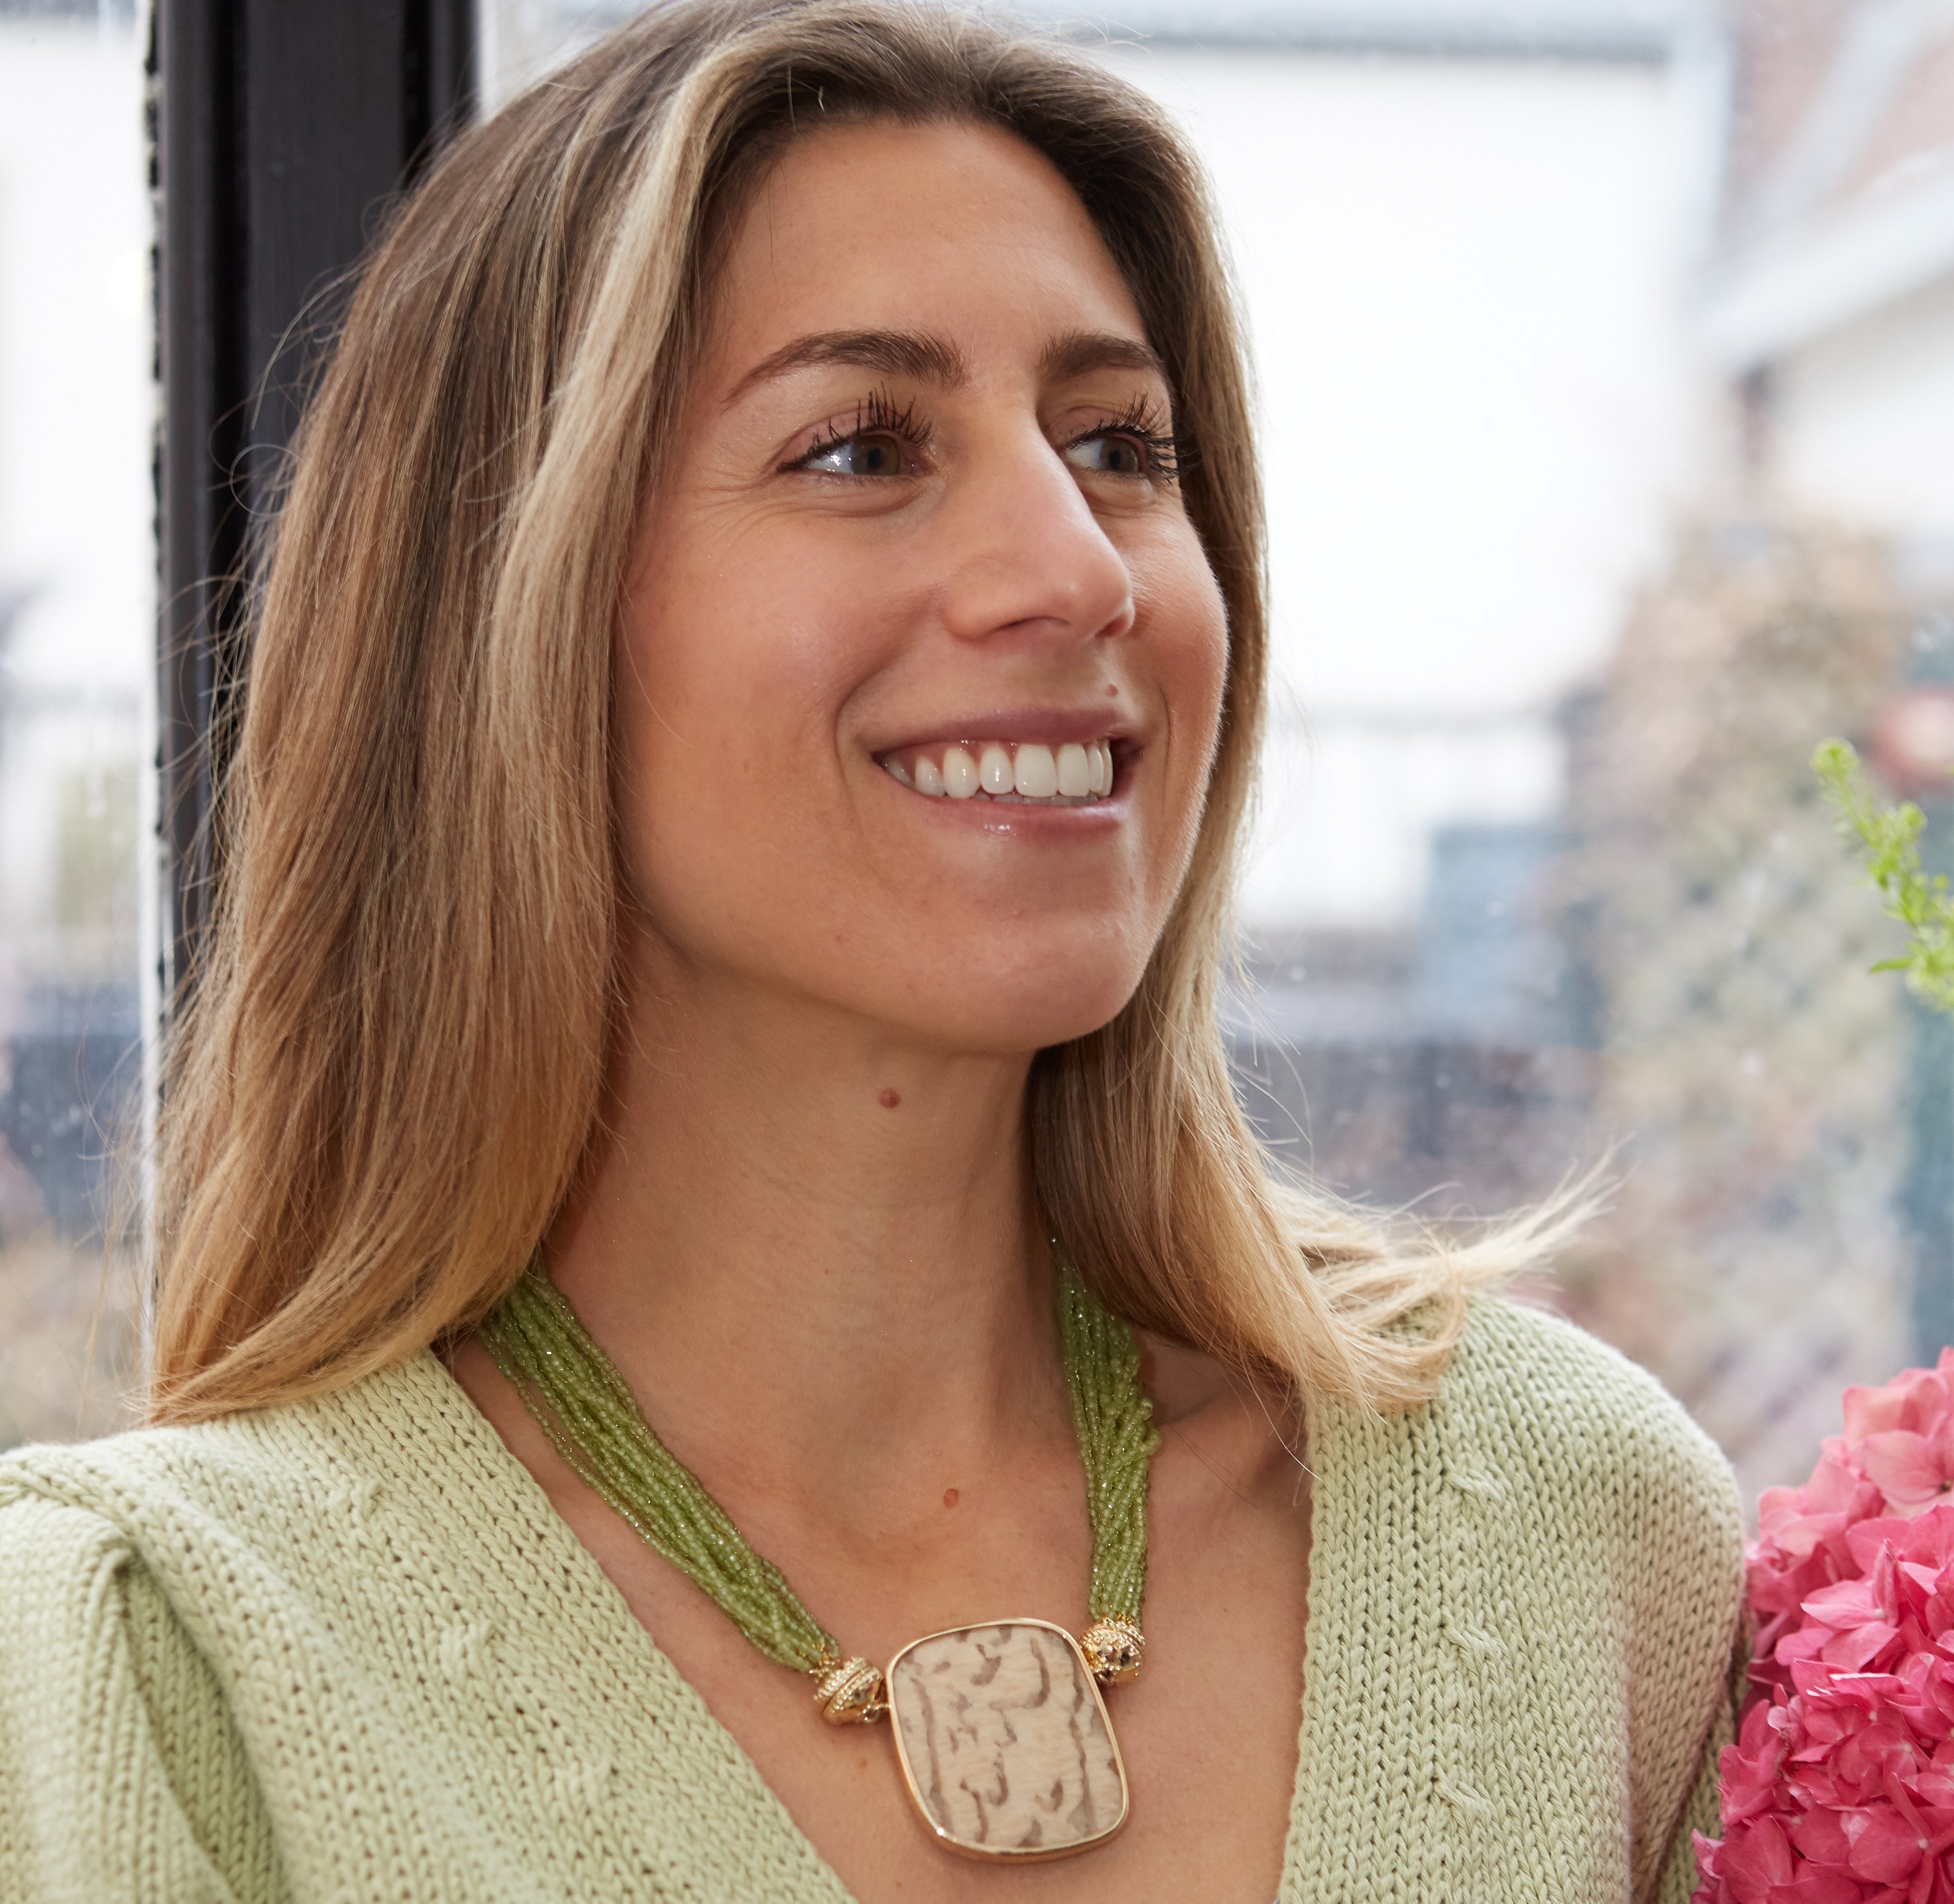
1005,1854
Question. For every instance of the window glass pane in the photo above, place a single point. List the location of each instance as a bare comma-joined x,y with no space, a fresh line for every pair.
1542,878
521,40
76,622
1607,410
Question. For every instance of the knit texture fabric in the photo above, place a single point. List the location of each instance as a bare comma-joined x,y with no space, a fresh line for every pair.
346,1651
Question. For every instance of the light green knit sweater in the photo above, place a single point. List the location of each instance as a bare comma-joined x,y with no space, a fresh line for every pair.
346,1650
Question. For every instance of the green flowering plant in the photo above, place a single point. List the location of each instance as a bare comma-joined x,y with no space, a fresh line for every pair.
1890,837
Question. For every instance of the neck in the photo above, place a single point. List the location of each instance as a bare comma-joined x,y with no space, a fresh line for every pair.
813,1247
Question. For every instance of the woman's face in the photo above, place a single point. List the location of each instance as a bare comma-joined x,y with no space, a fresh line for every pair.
919,548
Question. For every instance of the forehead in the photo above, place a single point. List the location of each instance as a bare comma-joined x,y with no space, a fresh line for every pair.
960,230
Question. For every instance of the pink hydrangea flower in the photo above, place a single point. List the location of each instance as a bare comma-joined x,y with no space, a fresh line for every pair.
1839,1789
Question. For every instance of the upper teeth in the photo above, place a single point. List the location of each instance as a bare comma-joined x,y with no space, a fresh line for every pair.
1006,770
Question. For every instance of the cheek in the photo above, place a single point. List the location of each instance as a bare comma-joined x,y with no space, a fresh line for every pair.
1191,660
704,690
734,663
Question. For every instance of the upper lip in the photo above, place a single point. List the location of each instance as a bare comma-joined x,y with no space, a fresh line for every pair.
1053,726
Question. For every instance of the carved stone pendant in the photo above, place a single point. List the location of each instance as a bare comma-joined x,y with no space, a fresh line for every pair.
1004,1742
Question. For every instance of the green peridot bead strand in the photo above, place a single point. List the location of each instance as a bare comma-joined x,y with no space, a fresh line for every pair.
583,1404
1116,1441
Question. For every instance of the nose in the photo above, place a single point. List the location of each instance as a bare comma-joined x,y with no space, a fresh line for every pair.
1027,554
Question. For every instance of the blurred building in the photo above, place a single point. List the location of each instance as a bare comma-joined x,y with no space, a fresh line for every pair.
1830,299
1790,1117
1683,980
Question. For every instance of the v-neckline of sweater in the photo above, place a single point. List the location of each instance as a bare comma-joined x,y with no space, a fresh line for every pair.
580,1566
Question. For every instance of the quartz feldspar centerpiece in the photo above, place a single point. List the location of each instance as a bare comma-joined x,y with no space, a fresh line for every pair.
1004,1741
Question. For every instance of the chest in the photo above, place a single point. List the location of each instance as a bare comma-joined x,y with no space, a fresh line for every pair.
1208,1733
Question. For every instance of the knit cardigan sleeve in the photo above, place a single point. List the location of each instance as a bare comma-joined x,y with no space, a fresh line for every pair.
1703,1814
1703,1810
122,1781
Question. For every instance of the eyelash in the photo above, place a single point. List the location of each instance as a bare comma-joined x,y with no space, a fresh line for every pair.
878,415
1147,427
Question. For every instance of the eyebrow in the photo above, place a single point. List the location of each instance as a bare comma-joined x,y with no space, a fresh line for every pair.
914,354
1078,352
925,358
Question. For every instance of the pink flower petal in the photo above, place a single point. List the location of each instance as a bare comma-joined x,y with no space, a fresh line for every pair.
1839,1786
1755,1859
1886,1848
1869,1410
1858,1646
1901,1465
1864,1538
1851,1603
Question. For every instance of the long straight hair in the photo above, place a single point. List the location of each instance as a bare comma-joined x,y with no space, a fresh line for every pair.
379,1093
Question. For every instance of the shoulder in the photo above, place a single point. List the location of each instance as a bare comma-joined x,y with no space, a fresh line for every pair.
1575,1411
174,1488
172,1592
248,1500
299,1455
1594,1454
156,1518
109,1708
58,1560
67,1506
1576,1465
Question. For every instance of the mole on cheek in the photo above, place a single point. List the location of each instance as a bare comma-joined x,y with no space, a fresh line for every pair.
950,1496
890,1099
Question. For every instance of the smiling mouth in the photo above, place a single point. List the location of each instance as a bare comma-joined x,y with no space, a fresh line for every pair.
1026,772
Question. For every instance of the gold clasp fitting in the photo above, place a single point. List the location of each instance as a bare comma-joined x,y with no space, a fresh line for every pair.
1115,1649
850,1693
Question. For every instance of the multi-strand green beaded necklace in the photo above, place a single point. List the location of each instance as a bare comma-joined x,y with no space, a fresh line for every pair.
1000,1732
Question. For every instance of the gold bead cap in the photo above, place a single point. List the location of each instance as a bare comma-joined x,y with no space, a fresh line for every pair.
1115,1649
850,1693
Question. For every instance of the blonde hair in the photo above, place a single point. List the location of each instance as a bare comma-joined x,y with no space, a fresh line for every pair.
379,1093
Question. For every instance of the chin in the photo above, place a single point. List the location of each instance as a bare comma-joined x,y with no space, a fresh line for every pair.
1005,1018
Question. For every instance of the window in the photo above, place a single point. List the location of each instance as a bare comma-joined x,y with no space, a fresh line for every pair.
1607,388
77,606
1606,413
274,133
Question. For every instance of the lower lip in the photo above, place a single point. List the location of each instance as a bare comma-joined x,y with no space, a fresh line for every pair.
1022,819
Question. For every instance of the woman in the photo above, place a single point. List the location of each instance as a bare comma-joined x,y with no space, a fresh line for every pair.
754,699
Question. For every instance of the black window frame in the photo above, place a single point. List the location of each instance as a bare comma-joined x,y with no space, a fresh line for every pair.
281,133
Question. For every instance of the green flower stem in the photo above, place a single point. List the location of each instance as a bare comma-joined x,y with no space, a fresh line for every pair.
1890,837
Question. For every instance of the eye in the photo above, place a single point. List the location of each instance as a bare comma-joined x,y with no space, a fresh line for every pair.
1136,445
1110,455
884,438
868,453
